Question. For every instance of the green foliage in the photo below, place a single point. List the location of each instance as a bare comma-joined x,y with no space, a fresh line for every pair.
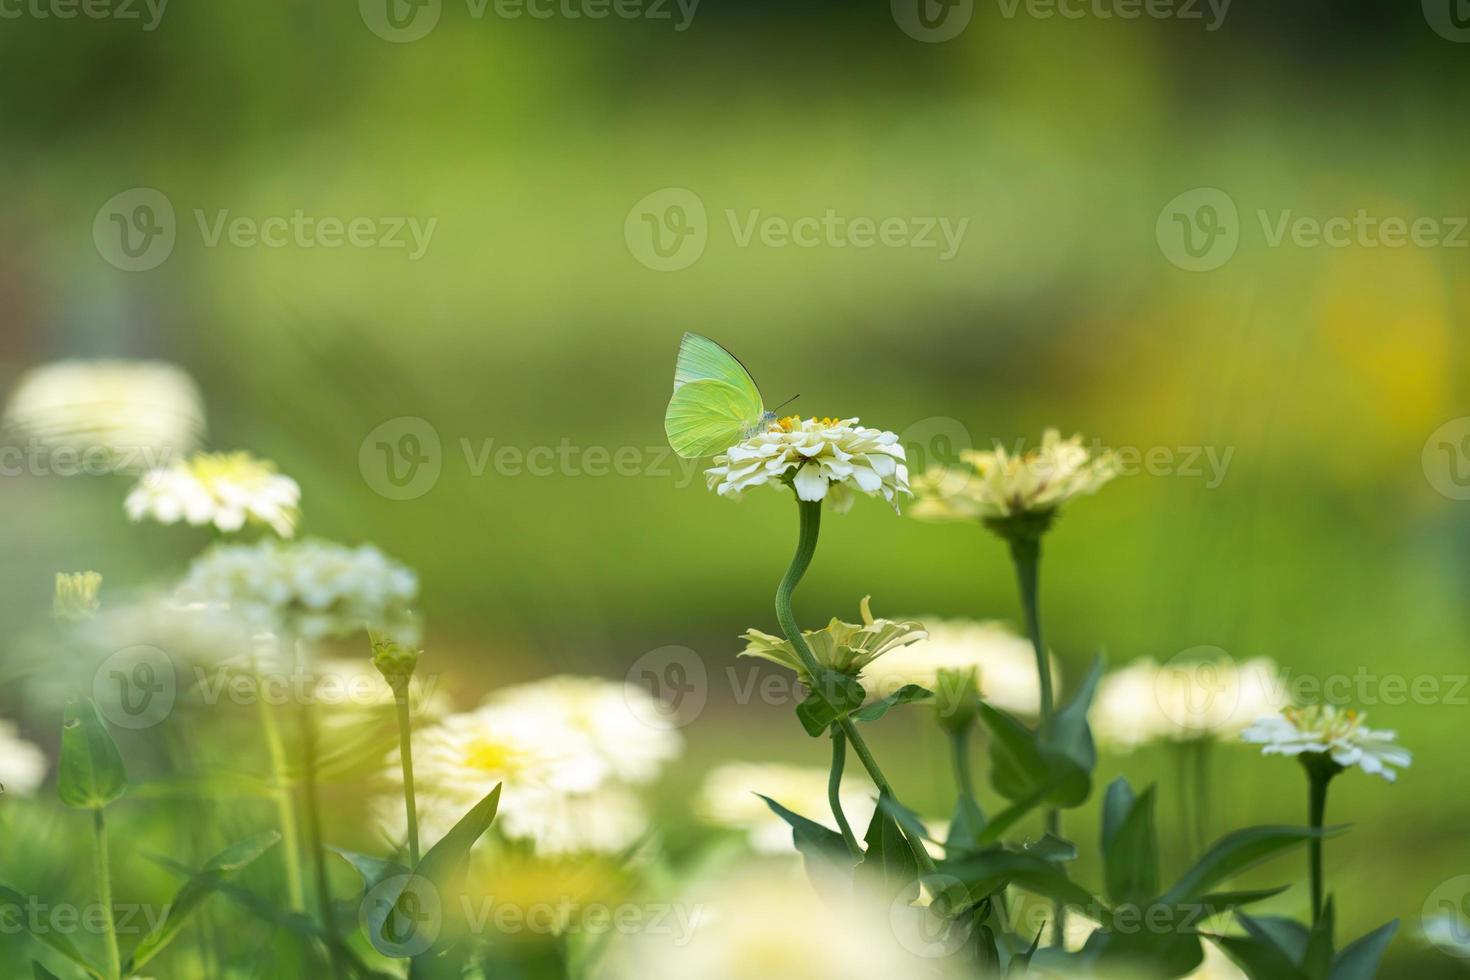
90,774
1058,760
1282,949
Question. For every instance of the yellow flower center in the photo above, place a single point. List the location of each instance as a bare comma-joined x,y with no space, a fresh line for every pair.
210,468
793,422
493,756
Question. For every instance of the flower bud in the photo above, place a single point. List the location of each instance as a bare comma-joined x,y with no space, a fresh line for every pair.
396,663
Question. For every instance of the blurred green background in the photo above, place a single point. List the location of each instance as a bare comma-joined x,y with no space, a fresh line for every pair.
530,321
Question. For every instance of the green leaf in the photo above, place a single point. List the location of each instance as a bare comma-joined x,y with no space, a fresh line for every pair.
965,827
1052,848
446,861
987,872
1218,903
1130,845
834,695
90,774
39,972
1287,935
13,919
1317,959
1359,961
1235,852
1003,820
195,891
888,858
1021,764
1171,950
1258,958
374,871
904,695
828,863
1070,735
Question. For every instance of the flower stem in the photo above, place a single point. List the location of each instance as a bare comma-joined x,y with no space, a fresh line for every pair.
834,791
1026,556
811,523
960,744
1318,776
1201,794
281,792
405,751
104,894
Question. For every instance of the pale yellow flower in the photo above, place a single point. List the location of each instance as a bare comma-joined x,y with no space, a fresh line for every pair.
1325,729
844,647
822,459
226,490
1210,697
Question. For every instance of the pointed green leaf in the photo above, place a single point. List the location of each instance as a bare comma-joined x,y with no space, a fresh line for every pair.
829,865
833,695
904,695
965,827
1218,903
1235,852
447,860
1287,935
196,890
13,920
90,774
1360,959
1130,845
374,871
1317,959
986,872
888,858
1258,959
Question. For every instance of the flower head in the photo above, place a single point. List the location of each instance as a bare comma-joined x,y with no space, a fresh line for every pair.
22,765
1339,734
227,490
76,596
312,588
1185,699
1005,661
135,412
395,662
844,647
1004,489
822,459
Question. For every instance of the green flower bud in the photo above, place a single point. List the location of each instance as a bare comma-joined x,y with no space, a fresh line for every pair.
396,663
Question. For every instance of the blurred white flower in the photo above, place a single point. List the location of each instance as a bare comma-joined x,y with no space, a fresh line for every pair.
1210,697
620,722
606,820
311,588
729,799
22,765
997,485
823,459
1327,729
227,490
355,682
848,648
763,922
139,413
1005,660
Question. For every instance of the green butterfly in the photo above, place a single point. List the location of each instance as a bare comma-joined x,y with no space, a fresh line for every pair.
716,402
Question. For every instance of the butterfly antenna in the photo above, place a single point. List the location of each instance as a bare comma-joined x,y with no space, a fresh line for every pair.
786,402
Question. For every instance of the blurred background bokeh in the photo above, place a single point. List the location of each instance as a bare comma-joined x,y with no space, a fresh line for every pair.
1332,541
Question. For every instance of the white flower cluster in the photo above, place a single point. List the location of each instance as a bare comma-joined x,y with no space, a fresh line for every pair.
139,411
1210,697
22,765
731,798
1336,732
998,484
311,588
1005,662
823,459
227,490
568,751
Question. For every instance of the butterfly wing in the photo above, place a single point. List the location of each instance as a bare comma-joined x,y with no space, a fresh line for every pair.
706,417
701,359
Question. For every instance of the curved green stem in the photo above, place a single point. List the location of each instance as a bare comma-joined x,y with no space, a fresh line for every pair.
834,791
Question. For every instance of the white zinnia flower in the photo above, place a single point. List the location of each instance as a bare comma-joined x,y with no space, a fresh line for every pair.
1327,729
22,765
312,588
1185,699
138,412
998,485
729,799
847,648
620,721
227,490
823,459
606,820
1006,663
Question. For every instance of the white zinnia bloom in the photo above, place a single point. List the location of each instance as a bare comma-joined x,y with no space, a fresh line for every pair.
607,820
620,722
22,765
1005,661
227,490
311,588
997,485
1211,697
729,799
1337,732
824,459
